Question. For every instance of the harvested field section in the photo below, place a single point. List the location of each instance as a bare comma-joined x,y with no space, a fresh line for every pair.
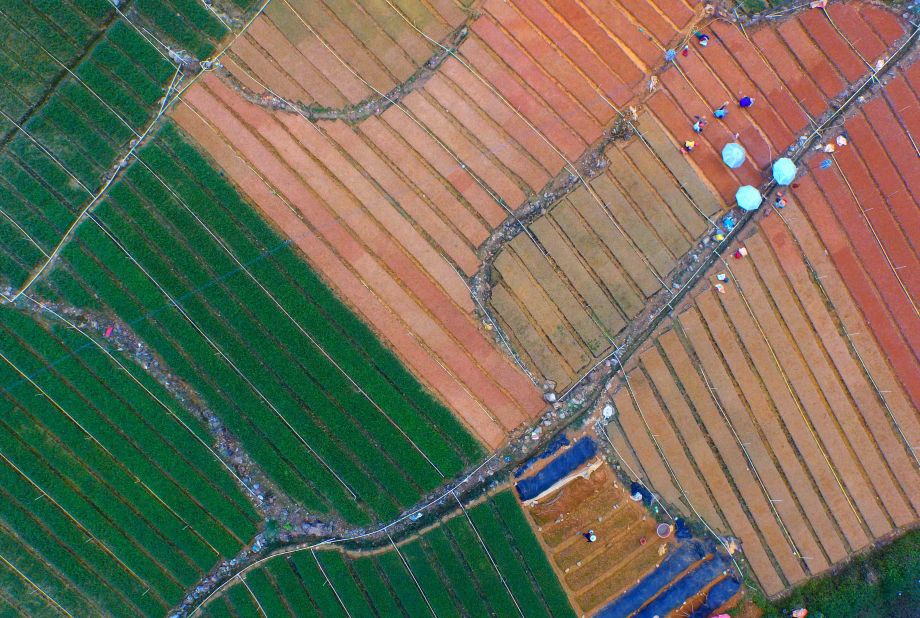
332,53
762,387
866,209
586,268
390,255
595,573
482,561
792,72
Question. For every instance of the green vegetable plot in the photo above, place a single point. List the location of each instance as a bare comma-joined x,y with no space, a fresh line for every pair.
330,414
446,572
111,499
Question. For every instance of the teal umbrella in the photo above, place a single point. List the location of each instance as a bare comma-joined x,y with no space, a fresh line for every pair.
733,155
784,171
748,198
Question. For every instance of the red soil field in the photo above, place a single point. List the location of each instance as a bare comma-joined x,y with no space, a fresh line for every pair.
391,209
367,251
792,71
869,230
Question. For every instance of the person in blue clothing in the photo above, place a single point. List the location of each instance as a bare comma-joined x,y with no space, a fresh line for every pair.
721,111
745,102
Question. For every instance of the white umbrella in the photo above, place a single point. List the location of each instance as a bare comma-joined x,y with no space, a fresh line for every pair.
784,171
748,198
733,155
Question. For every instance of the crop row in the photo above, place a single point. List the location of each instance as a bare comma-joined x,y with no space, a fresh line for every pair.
186,22
104,494
278,376
84,123
446,572
62,28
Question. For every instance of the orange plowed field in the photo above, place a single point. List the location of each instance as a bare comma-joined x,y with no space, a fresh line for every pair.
866,208
792,70
335,52
774,408
595,573
356,233
392,209
567,288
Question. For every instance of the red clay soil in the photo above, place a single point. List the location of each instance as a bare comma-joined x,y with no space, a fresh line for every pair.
822,354
868,236
791,72
801,379
872,413
387,238
869,344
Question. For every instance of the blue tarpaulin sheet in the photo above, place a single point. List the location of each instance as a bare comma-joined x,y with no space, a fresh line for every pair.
581,451
676,562
717,596
684,588
549,451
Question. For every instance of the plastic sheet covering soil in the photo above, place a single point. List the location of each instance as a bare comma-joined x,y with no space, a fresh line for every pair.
579,453
651,584
549,451
717,596
685,588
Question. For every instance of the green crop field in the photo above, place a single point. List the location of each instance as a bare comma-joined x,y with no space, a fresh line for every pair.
78,82
445,572
331,414
112,500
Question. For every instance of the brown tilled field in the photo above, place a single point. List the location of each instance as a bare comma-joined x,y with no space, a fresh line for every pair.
782,410
595,573
793,70
771,410
780,407
866,209
566,288
338,52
